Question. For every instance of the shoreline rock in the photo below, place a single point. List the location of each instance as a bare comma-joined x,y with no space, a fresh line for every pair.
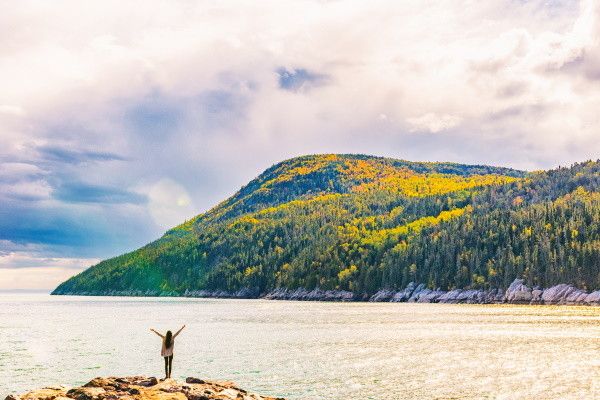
517,293
143,388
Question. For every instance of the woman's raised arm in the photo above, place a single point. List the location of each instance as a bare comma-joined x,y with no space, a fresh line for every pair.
158,333
177,333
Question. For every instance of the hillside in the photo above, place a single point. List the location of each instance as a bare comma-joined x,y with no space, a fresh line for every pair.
363,223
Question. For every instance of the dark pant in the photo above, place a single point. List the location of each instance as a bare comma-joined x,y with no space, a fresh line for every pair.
168,366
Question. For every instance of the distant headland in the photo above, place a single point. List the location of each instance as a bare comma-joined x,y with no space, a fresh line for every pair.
357,227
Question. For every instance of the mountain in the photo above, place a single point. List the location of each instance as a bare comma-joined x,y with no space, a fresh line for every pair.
362,223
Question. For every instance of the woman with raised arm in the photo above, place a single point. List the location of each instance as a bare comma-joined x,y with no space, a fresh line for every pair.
168,343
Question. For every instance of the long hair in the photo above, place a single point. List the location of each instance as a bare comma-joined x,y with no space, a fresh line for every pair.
168,339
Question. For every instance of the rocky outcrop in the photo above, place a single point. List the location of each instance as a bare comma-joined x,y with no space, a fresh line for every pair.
517,293
143,388
592,299
310,295
382,295
563,294
405,294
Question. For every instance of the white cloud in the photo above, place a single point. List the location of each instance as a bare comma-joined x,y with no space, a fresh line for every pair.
433,122
37,278
37,189
24,270
11,110
26,260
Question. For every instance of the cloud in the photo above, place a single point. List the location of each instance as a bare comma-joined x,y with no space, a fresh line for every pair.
433,123
45,277
78,192
20,260
23,266
11,110
27,190
63,155
118,121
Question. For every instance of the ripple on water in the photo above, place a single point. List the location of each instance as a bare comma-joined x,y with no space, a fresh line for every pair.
310,350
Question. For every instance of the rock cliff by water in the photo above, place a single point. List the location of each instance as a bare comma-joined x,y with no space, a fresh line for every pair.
517,293
143,388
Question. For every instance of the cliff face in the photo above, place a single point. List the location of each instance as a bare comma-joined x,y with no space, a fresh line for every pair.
143,388
517,293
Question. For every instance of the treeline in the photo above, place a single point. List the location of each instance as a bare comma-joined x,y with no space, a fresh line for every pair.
360,223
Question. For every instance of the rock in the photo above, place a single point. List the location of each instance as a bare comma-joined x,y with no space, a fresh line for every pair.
593,298
536,296
405,294
48,393
144,388
382,295
563,294
494,296
312,295
431,296
194,380
416,293
449,297
86,393
518,292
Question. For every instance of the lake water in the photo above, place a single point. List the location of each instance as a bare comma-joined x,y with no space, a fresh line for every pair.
308,350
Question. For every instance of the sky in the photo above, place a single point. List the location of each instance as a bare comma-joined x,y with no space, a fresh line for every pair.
121,119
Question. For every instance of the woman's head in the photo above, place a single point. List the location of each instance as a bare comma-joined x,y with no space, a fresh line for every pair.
169,339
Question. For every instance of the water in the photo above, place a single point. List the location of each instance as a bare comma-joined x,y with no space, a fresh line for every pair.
308,350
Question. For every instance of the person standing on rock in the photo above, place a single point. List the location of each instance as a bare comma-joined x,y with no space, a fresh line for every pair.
168,343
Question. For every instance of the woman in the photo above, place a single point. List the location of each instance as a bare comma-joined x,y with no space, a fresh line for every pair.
168,343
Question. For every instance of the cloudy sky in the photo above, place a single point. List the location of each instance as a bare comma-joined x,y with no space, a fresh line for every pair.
121,119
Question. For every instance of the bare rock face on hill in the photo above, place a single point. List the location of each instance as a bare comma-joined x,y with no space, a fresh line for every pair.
143,388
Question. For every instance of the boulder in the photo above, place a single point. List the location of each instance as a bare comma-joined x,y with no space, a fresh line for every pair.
194,380
494,296
563,294
87,393
431,296
518,292
405,294
536,295
593,298
449,297
48,393
382,295
416,293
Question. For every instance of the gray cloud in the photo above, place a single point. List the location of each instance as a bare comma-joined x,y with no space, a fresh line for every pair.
65,155
78,192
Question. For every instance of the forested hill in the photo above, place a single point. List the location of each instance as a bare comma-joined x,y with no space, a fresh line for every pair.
362,223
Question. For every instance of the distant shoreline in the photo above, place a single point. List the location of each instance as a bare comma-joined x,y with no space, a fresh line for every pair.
517,293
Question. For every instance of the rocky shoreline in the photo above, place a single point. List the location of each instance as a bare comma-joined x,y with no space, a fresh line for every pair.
517,293
143,388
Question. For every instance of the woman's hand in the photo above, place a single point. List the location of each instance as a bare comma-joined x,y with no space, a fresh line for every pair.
152,330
